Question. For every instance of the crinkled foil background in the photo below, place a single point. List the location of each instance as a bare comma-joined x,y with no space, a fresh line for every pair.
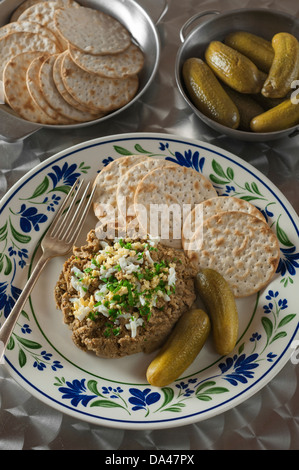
269,419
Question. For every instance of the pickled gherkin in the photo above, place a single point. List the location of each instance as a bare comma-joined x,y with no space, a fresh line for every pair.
285,66
183,345
282,116
220,303
247,106
234,68
208,95
256,48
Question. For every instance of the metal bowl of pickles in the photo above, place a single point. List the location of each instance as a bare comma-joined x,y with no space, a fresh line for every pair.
239,72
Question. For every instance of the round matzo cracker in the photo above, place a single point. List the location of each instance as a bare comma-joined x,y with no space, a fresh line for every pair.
99,93
33,85
54,98
124,64
27,27
173,185
108,179
61,88
213,206
16,92
43,13
29,3
92,31
18,42
129,181
241,247
21,8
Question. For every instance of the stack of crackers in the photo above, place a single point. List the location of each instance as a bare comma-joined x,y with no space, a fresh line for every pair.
62,63
233,236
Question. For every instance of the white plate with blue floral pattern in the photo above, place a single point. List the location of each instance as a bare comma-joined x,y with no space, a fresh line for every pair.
113,392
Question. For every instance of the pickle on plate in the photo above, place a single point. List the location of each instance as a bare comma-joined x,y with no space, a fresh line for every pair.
207,94
256,48
285,66
220,303
183,345
234,68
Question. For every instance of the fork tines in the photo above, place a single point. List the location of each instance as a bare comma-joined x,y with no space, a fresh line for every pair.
72,217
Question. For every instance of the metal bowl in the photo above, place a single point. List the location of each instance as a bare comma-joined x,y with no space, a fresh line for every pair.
143,31
263,22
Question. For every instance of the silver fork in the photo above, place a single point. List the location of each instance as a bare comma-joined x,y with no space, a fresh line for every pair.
58,241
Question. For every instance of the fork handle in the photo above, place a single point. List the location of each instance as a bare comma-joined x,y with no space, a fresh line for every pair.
10,322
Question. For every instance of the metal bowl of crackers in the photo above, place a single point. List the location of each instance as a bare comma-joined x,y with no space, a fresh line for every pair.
69,64
213,27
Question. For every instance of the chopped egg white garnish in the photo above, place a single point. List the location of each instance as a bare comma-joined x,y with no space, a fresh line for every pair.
134,323
79,281
171,276
122,282
148,257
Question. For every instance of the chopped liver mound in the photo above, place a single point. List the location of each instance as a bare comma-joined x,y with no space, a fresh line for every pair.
123,296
